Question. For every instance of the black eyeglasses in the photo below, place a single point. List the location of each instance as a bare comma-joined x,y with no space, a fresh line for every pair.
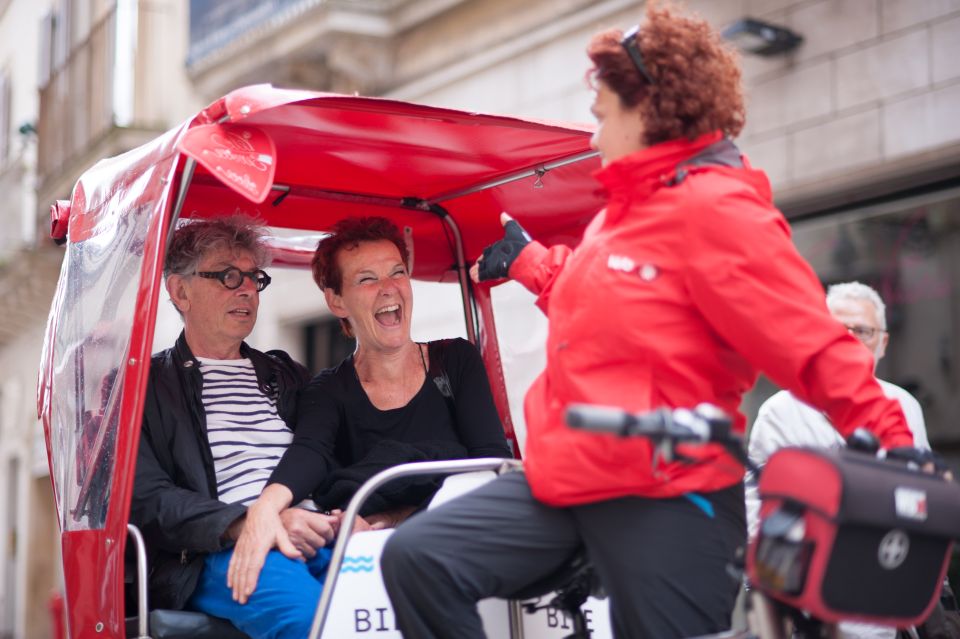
232,277
629,44
862,332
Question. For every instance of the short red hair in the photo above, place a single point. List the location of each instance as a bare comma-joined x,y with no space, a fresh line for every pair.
697,76
348,234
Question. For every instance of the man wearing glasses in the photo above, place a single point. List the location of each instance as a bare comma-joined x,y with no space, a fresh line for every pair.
784,420
217,419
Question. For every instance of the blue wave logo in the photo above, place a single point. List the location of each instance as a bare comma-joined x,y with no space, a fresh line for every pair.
362,563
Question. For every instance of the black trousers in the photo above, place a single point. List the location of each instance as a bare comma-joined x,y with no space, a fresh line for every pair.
662,561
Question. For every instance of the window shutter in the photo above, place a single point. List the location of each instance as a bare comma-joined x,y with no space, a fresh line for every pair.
46,49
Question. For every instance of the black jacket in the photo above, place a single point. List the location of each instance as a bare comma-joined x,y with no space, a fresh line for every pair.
175,495
342,484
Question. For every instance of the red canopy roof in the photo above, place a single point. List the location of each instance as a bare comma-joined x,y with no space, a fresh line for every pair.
321,157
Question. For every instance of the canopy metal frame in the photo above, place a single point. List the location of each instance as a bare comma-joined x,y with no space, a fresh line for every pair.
431,204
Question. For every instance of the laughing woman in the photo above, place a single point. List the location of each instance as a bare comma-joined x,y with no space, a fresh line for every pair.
392,401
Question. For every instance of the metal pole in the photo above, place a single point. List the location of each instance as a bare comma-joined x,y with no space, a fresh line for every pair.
515,612
462,276
142,608
762,616
188,168
540,170
369,487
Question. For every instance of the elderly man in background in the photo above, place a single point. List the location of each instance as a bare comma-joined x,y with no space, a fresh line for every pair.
784,420
218,416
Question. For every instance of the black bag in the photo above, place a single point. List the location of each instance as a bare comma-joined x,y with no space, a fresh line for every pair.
846,536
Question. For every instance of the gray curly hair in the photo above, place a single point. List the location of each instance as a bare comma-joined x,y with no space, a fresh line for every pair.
194,240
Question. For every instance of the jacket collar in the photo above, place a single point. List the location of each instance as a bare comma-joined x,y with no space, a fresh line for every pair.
652,166
182,355
184,360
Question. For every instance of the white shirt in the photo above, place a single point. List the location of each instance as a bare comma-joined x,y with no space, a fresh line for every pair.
784,420
247,437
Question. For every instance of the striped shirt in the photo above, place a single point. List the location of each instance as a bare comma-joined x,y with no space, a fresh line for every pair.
246,435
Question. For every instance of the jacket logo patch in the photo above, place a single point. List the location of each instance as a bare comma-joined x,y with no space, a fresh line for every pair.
647,272
910,503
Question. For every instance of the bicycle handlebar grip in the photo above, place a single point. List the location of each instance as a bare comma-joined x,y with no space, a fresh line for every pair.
603,419
863,440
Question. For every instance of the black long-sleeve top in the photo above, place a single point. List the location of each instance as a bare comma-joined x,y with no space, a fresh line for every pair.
341,437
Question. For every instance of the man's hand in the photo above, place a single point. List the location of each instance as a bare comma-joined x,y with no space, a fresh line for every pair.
390,518
360,524
262,531
308,530
495,262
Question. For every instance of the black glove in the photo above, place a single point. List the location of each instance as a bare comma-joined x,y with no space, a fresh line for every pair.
498,257
916,457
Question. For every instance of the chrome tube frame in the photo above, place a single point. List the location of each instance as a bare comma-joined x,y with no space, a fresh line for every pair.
464,279
762,617
450,467
142,607
185,180
515,613
540,170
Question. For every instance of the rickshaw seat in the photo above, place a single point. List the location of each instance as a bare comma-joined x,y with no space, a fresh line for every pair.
571,586
577,573
185,624
171,624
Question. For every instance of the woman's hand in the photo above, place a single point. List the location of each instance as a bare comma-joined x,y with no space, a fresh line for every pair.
262,530
308,530
497,258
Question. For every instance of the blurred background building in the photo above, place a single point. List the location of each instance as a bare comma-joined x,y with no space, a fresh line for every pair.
858,128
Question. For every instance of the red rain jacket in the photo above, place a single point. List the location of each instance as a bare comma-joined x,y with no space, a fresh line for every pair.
679,295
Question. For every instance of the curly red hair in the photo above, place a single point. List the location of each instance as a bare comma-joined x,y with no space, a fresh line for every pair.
697,76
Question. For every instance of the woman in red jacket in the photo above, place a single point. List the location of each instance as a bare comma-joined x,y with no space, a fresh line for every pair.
680,291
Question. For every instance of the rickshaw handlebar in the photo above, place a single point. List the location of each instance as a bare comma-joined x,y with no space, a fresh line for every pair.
664,427
703,424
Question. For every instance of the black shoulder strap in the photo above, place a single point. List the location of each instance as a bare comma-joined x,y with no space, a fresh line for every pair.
438,373
722,153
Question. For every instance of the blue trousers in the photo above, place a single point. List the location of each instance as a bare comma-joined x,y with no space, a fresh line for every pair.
282,606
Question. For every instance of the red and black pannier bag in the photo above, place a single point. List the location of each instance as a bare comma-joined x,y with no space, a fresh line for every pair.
846,536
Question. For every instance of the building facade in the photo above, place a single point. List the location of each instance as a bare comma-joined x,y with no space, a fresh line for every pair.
79,80
29,547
